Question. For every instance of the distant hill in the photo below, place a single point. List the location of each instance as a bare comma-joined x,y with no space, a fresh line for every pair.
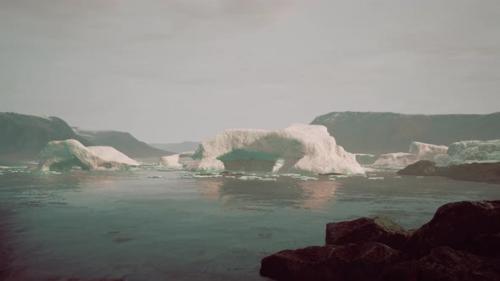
382,132
124,142
22,136
177,147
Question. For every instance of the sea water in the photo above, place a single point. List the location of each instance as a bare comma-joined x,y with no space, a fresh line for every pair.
167,225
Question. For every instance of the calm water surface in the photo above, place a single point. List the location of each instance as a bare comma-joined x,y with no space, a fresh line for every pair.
152,225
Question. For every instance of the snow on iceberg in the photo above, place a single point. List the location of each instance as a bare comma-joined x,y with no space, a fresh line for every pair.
171,161
426,151
474,151
395,160
179,161
110,154
65,154
418,151
307,148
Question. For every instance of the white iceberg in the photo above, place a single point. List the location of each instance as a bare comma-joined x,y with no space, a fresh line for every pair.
171,161
418,151
474,151
110,154
65,154
179,161
426,151
395,160
306,148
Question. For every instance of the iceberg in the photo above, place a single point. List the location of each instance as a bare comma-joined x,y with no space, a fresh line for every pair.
474,151
395,160
302,148
66,154
179,161
426,151
110,154
417,151
171,161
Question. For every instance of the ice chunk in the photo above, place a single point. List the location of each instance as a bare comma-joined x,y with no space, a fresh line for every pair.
426,151
395,160
179,161
474,151
66,154
418,151
171,161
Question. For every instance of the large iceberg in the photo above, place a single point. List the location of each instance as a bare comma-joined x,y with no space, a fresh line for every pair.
65,154
306,148
474,151
418,151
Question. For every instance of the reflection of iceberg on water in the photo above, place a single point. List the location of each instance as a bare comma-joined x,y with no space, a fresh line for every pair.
283,190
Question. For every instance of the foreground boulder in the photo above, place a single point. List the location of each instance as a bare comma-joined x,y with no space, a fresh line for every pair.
346,262
366,230
481,172
457,225
460,243
444,264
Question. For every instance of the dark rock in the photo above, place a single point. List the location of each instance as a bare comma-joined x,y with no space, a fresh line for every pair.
485,245
481,172
348,262
310,262
460,243
420,168
444,264
375,229
457,225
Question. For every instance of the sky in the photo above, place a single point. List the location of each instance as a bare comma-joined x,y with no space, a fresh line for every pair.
174,70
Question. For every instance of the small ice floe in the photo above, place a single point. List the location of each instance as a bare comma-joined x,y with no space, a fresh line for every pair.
257,178
249,177
206,175
299,176
340,176
155,177
376,178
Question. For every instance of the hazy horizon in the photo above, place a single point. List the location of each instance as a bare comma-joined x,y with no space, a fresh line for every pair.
184,70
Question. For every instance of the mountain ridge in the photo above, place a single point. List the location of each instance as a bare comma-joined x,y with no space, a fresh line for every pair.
384,132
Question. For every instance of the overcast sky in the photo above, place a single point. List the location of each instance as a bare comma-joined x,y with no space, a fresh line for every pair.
172,70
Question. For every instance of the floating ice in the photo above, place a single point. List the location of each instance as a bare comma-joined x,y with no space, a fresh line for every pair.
301,148
110,154
418,151
66,154
474,151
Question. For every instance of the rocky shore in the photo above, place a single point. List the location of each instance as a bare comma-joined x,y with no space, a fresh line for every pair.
460,243
481,172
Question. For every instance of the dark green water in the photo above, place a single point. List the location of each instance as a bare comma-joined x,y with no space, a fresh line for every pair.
141,227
